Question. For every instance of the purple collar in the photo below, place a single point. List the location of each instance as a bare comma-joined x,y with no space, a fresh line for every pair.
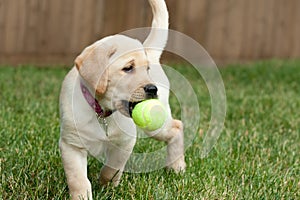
94,103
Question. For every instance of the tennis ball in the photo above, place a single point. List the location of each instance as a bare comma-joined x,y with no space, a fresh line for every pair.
149,115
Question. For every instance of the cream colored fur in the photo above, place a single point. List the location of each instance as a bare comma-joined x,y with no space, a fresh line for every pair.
100,68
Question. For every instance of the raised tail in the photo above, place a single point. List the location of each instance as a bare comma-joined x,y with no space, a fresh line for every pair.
158,36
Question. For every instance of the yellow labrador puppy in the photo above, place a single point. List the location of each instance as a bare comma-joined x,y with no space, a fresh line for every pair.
96,100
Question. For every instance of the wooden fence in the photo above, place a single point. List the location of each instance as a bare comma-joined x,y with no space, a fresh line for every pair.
55,31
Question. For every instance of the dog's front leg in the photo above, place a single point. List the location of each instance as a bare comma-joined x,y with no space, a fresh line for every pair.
112,171
172,134
117,154
175,148
111,174
75,166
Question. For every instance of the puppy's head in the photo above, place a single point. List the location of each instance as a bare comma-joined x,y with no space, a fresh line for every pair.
117,69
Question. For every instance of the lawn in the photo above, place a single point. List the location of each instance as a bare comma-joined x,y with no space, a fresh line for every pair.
256,157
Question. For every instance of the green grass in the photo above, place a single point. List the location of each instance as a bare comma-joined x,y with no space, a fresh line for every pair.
256,157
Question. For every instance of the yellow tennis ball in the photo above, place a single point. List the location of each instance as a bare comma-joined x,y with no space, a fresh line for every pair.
149,115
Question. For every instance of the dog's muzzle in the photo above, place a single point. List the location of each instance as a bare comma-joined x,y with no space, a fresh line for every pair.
149,91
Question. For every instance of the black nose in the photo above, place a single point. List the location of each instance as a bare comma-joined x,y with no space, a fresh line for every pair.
151,91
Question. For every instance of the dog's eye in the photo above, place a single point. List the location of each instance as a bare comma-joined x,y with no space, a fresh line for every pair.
128,69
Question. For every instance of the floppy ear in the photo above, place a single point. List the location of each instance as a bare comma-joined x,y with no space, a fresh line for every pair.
92,65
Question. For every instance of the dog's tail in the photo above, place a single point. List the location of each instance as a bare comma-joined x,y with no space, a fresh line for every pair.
158,36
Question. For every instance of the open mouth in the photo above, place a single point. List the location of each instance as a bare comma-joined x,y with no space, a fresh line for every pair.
129,106
126,106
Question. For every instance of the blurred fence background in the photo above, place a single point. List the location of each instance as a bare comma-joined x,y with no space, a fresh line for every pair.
55,31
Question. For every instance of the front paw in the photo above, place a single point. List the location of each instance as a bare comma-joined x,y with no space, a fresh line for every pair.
178,165
109,175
